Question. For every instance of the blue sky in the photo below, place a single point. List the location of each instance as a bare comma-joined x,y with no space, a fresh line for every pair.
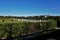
29,7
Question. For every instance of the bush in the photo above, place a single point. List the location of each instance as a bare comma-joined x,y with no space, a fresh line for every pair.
13,29
52,24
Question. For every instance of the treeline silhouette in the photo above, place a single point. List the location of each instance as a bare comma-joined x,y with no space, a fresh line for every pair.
33,17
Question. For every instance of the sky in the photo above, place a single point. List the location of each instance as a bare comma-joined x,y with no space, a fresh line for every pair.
29,7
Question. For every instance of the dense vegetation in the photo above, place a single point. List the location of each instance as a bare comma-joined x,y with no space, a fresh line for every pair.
11,28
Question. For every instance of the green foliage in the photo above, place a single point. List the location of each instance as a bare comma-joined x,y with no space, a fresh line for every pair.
52,24
4,30
16,28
